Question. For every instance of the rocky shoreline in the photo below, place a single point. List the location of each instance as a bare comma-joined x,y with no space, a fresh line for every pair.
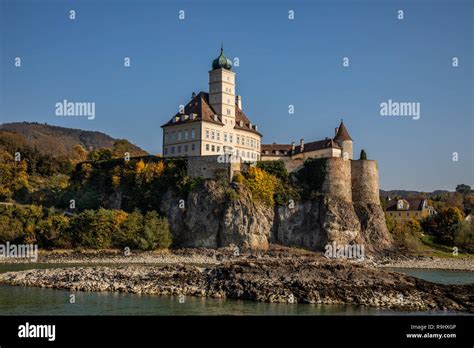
205,256
94,257
269,278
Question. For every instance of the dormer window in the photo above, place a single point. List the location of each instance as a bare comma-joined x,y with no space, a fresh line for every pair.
400,204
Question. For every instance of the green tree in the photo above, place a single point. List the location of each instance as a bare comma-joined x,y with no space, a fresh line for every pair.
463,189
444,224
276,168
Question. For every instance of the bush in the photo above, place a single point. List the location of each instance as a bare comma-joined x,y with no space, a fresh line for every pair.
406,234
96,229
444,224
154,234
276,168
261,184
238,178
311,176
51,230
464,236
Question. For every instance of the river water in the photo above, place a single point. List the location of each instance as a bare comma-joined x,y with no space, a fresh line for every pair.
17,300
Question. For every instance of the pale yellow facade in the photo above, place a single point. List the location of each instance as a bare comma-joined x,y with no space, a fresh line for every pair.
206,138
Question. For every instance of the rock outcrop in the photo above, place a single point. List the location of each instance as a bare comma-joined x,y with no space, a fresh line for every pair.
347,212
209,218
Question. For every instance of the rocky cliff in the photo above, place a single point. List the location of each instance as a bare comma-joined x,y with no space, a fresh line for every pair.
208,217
347,212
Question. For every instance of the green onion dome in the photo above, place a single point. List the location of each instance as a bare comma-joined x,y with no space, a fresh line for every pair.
222,61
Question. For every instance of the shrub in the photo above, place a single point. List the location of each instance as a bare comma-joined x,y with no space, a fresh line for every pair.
238,178
51,230
276,168
261,184
407,234
154,233
311,176
444,224
94,229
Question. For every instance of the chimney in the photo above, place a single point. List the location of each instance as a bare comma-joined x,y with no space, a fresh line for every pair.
302,145
238,99
335,131
292,147
193,95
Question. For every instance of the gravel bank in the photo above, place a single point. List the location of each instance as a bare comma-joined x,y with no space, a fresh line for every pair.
289,280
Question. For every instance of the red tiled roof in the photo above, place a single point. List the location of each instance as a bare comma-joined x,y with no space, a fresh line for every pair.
413,204
308,147
275,149
318,145
200,106
342,133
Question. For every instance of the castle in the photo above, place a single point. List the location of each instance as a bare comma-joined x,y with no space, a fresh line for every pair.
214,135
213,123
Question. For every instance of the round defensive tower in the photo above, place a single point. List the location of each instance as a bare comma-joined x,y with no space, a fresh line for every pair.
337,182
365,181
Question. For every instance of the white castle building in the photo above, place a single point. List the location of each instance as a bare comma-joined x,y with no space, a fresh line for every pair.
213,123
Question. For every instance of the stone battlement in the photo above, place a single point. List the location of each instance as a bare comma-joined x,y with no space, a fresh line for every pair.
347,180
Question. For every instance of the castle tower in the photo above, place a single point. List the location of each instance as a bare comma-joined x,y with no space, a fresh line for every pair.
344,140
222,87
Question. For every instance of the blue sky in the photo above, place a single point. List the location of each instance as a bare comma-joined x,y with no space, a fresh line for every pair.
282,62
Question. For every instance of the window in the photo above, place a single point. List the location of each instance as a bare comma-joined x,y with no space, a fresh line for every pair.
248,154
247,141
172,149
218,149
185,148
186,134
225,136
207,147
243,141
230,138
399,214
408,214
238,139
391,214
207,133
416,214
237,152
166,150
179,149
213,148
173,136
213,135
193,147
179,135
228,111
228,101
218,135
193,133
